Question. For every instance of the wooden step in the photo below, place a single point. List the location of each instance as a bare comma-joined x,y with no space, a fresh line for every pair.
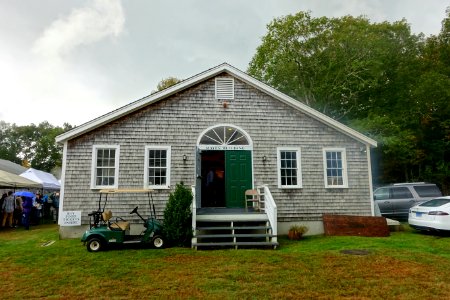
235,244
234,228
238,235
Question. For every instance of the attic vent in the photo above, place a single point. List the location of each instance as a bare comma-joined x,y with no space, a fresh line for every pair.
224,88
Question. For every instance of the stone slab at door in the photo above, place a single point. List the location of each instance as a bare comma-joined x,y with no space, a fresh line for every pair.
238,177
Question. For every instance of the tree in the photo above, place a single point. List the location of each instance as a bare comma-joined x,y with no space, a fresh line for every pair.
343,67
376,77
31,145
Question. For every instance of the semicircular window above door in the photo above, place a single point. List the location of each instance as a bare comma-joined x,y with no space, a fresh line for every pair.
224,135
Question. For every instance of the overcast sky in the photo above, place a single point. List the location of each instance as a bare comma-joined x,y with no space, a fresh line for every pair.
72,61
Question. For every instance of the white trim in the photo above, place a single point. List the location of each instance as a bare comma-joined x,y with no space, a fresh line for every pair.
369,170
94,165
168,150
299,167
230,147
63,180
344,168
139,104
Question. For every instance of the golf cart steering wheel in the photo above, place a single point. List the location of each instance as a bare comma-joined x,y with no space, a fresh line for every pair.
134,210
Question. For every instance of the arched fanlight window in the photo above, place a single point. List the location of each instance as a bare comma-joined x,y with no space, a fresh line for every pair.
224,135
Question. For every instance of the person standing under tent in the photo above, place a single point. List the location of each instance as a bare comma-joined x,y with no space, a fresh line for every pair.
55,207
18,212
1,204
8,210
27,207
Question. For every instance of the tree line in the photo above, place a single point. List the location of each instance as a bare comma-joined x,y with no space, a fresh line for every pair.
378,78
32,146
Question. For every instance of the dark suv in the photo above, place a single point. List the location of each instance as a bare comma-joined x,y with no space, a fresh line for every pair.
395,200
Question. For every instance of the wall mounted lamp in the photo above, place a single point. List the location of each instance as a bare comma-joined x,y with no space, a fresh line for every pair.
184,158
264,158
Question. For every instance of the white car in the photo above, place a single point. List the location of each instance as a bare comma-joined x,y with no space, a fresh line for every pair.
431,215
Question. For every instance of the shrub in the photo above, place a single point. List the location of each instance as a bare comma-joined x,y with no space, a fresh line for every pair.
297,231
177,227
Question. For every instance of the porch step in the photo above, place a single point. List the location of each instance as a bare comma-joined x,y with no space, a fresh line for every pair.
236,244
238,235
239,232
235,228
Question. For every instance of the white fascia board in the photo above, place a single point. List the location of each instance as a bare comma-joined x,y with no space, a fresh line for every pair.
136,105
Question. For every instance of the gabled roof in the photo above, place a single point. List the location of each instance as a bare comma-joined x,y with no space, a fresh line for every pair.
141,103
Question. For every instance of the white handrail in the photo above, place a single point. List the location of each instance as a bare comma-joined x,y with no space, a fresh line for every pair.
194,216
271,210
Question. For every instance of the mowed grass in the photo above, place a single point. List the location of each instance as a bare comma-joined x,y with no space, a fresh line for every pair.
406,265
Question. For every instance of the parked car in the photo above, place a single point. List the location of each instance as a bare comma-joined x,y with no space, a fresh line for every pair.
395,200
431,215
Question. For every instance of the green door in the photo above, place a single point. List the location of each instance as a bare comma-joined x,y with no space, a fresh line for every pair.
238,176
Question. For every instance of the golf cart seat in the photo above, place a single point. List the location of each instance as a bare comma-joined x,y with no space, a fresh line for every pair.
118,225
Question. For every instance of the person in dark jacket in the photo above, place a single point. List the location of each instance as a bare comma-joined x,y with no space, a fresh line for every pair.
27,206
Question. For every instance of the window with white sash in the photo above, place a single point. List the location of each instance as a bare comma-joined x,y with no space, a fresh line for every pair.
157,167
335,168
289,167
105,166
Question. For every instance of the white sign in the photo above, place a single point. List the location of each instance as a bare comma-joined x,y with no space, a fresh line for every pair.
71,218
225,147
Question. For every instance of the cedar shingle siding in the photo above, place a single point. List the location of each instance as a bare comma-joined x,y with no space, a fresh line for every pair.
178,120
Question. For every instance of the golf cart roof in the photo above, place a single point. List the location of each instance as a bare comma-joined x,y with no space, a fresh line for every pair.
116,191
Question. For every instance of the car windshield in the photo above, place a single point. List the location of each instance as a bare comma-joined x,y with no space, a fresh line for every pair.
435,202
427,191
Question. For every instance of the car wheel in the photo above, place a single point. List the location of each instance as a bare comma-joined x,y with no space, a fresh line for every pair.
158,242
94,245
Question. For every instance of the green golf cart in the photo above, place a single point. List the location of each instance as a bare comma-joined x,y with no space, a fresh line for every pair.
106,231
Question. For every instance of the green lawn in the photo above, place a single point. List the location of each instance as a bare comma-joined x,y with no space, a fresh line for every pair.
406,265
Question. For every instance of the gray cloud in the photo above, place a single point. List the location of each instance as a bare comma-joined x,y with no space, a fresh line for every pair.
91,23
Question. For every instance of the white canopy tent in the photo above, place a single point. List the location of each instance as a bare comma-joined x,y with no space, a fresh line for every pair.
9,180
47,180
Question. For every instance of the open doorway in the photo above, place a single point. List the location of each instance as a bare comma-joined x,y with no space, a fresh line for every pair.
213,178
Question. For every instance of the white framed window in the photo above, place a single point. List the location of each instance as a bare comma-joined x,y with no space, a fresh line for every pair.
157,167
335,168
105,166
289,167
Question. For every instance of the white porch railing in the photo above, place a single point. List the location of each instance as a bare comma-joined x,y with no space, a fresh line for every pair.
194,216
270,208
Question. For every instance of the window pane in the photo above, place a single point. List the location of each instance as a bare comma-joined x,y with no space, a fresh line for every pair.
288,168
157,166
334,169
428,191
105,168
401,193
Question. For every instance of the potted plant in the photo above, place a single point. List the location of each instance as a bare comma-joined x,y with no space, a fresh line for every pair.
296,232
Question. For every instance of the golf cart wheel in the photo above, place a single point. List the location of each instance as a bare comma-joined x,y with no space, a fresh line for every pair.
158,242
94,245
